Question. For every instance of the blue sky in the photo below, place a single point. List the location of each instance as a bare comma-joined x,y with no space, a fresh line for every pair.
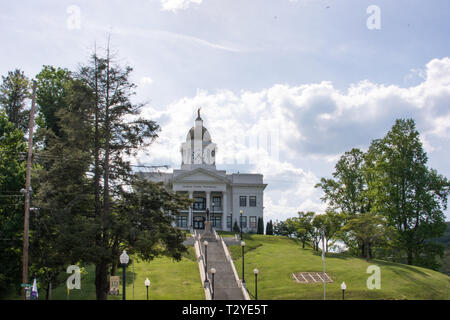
309,72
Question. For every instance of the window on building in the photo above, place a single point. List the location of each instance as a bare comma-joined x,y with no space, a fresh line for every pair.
199,204
253,222
252,201
243,201
217,202
216,222
182,221
244,222
229,222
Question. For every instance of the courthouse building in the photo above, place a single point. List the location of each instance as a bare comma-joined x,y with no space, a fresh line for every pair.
218,195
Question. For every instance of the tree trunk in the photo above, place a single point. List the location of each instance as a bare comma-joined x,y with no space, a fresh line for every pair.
410,257
101,281
113,269
47,291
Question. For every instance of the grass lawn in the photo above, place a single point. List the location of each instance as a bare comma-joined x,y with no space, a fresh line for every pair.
170,280
278,257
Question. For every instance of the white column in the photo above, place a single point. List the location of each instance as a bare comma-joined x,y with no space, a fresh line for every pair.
208,201
191,195
224,210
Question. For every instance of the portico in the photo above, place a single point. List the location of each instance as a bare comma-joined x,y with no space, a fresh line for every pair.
209,192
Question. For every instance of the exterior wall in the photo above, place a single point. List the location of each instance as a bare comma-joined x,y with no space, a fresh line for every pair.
248,211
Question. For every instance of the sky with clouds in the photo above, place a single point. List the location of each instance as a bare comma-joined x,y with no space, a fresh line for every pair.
285,86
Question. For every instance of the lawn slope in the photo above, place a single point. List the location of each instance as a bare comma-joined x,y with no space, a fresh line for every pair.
278,257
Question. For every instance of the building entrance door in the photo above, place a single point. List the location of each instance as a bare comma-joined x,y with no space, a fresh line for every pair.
199,223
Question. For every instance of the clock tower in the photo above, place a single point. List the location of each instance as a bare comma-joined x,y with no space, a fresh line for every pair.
198,150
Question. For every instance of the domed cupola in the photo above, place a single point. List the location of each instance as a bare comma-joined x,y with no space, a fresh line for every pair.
198,150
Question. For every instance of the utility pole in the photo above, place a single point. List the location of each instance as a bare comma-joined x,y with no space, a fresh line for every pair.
27,193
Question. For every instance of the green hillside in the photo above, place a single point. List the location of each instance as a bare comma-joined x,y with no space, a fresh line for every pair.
278,257
170,280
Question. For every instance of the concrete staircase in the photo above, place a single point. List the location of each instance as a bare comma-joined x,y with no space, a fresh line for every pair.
226,284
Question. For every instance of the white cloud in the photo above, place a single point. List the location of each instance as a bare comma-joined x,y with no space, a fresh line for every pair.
146,81
174,5
314,122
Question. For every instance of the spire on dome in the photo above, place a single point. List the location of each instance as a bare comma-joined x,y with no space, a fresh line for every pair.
198,112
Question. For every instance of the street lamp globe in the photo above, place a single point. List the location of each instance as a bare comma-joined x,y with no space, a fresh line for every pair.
124,258
147,282
213,271
242,243
343,286
205,243
255,271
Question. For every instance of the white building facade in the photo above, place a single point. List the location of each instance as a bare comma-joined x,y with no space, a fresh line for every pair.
219,196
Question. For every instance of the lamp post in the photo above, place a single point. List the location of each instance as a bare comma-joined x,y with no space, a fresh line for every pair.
243,278
147,284
256,271
205,243
124,258
213,271
231,218
240,221
343,288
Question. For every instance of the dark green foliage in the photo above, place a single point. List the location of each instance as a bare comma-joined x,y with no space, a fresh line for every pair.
411,196
51,95
12,180
92,203
260,229
236,228
390,200
269,228
14,93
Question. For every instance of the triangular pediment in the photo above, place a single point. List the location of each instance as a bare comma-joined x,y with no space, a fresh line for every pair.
199,175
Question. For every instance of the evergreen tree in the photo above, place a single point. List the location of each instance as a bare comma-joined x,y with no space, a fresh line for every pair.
14,92
236,228
260,229
269,228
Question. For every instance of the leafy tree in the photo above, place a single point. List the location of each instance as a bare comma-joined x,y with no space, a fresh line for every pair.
12,180
64,192
347,191
51,94
347,194
369,229
304,228
279,228
14,92
411,196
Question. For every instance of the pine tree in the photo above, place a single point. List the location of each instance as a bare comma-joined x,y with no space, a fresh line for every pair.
260,226
14,92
